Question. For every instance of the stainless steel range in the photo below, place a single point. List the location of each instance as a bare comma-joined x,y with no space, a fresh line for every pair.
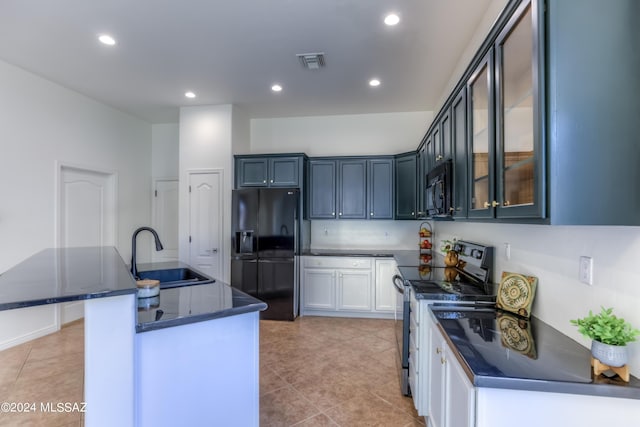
466,282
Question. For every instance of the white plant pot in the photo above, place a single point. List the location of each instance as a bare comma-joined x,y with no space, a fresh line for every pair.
612,355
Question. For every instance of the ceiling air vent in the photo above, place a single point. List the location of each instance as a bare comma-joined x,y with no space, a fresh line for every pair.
311,61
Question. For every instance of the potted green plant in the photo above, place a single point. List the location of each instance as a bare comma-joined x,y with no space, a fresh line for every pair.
609,334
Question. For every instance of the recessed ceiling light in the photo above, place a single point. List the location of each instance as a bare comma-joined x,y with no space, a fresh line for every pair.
190,94
391,19
276,88
374,82
107,39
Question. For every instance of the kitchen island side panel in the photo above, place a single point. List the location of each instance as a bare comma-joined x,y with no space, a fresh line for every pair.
203,373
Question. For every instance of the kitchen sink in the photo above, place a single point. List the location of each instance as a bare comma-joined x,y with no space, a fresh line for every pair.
174,277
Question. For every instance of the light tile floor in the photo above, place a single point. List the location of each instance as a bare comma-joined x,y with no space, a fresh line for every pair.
47,370
321,371
316,371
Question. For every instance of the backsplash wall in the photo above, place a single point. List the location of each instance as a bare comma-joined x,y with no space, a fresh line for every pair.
552,253
374,235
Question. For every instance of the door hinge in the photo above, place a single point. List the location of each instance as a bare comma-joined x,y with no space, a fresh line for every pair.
156,193
189,189
189,239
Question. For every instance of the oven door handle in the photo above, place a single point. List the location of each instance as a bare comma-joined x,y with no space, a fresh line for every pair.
396,279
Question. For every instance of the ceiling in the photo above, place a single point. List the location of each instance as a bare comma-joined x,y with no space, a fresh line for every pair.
231,52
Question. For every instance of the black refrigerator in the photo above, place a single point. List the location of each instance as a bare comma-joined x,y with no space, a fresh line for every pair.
264,261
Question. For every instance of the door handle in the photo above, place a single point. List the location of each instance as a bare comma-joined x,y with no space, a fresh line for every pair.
214,250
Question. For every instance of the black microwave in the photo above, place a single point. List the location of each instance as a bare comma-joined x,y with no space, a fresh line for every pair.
438,191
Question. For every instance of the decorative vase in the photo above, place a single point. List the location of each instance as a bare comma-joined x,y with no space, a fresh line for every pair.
612,355
451,259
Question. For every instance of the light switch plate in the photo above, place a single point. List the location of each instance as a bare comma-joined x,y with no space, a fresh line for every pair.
585,273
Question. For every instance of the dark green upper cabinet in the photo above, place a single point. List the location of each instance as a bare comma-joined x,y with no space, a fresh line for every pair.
505,152
251,172
284,172
322,189
520,182
352,189
405,185
422,169
444,150
269,170
459,146
380,188
481,141
593,111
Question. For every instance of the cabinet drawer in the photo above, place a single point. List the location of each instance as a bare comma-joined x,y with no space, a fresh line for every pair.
337,262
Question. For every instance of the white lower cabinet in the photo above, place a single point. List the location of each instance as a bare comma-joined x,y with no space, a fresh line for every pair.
451,399
418,348
347,286
354,290
385,292
320,289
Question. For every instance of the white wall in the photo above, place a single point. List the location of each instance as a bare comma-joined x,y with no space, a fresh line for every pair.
240,131
164,150
205,144
480,34
340,135
42,123
370,235
551,254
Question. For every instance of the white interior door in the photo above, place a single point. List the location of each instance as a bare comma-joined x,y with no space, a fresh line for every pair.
165,219
86,217
205,221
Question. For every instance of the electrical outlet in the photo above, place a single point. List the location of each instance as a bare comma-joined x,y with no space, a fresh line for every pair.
585,273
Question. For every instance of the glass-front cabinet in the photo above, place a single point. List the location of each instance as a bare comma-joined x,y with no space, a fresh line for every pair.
459,148
481,140
519,162
505,154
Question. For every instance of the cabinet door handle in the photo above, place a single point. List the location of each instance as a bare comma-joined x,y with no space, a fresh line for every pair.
340,214
438,351
333,214
442,360
264,182
271,181
371,213
438,157
507,203
493,204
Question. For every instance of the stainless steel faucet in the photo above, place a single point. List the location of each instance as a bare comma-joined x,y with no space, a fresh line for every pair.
159,247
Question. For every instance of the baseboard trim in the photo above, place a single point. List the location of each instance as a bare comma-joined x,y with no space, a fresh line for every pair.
71,312
351,314
28,337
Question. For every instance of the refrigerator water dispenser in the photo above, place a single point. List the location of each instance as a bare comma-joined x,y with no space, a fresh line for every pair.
244,242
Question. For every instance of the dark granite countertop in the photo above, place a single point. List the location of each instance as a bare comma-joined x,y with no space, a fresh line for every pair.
408,258
195,303
65,274
383,253
71,274
531,356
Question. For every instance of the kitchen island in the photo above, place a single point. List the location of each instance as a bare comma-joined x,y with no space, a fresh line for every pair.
174,361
